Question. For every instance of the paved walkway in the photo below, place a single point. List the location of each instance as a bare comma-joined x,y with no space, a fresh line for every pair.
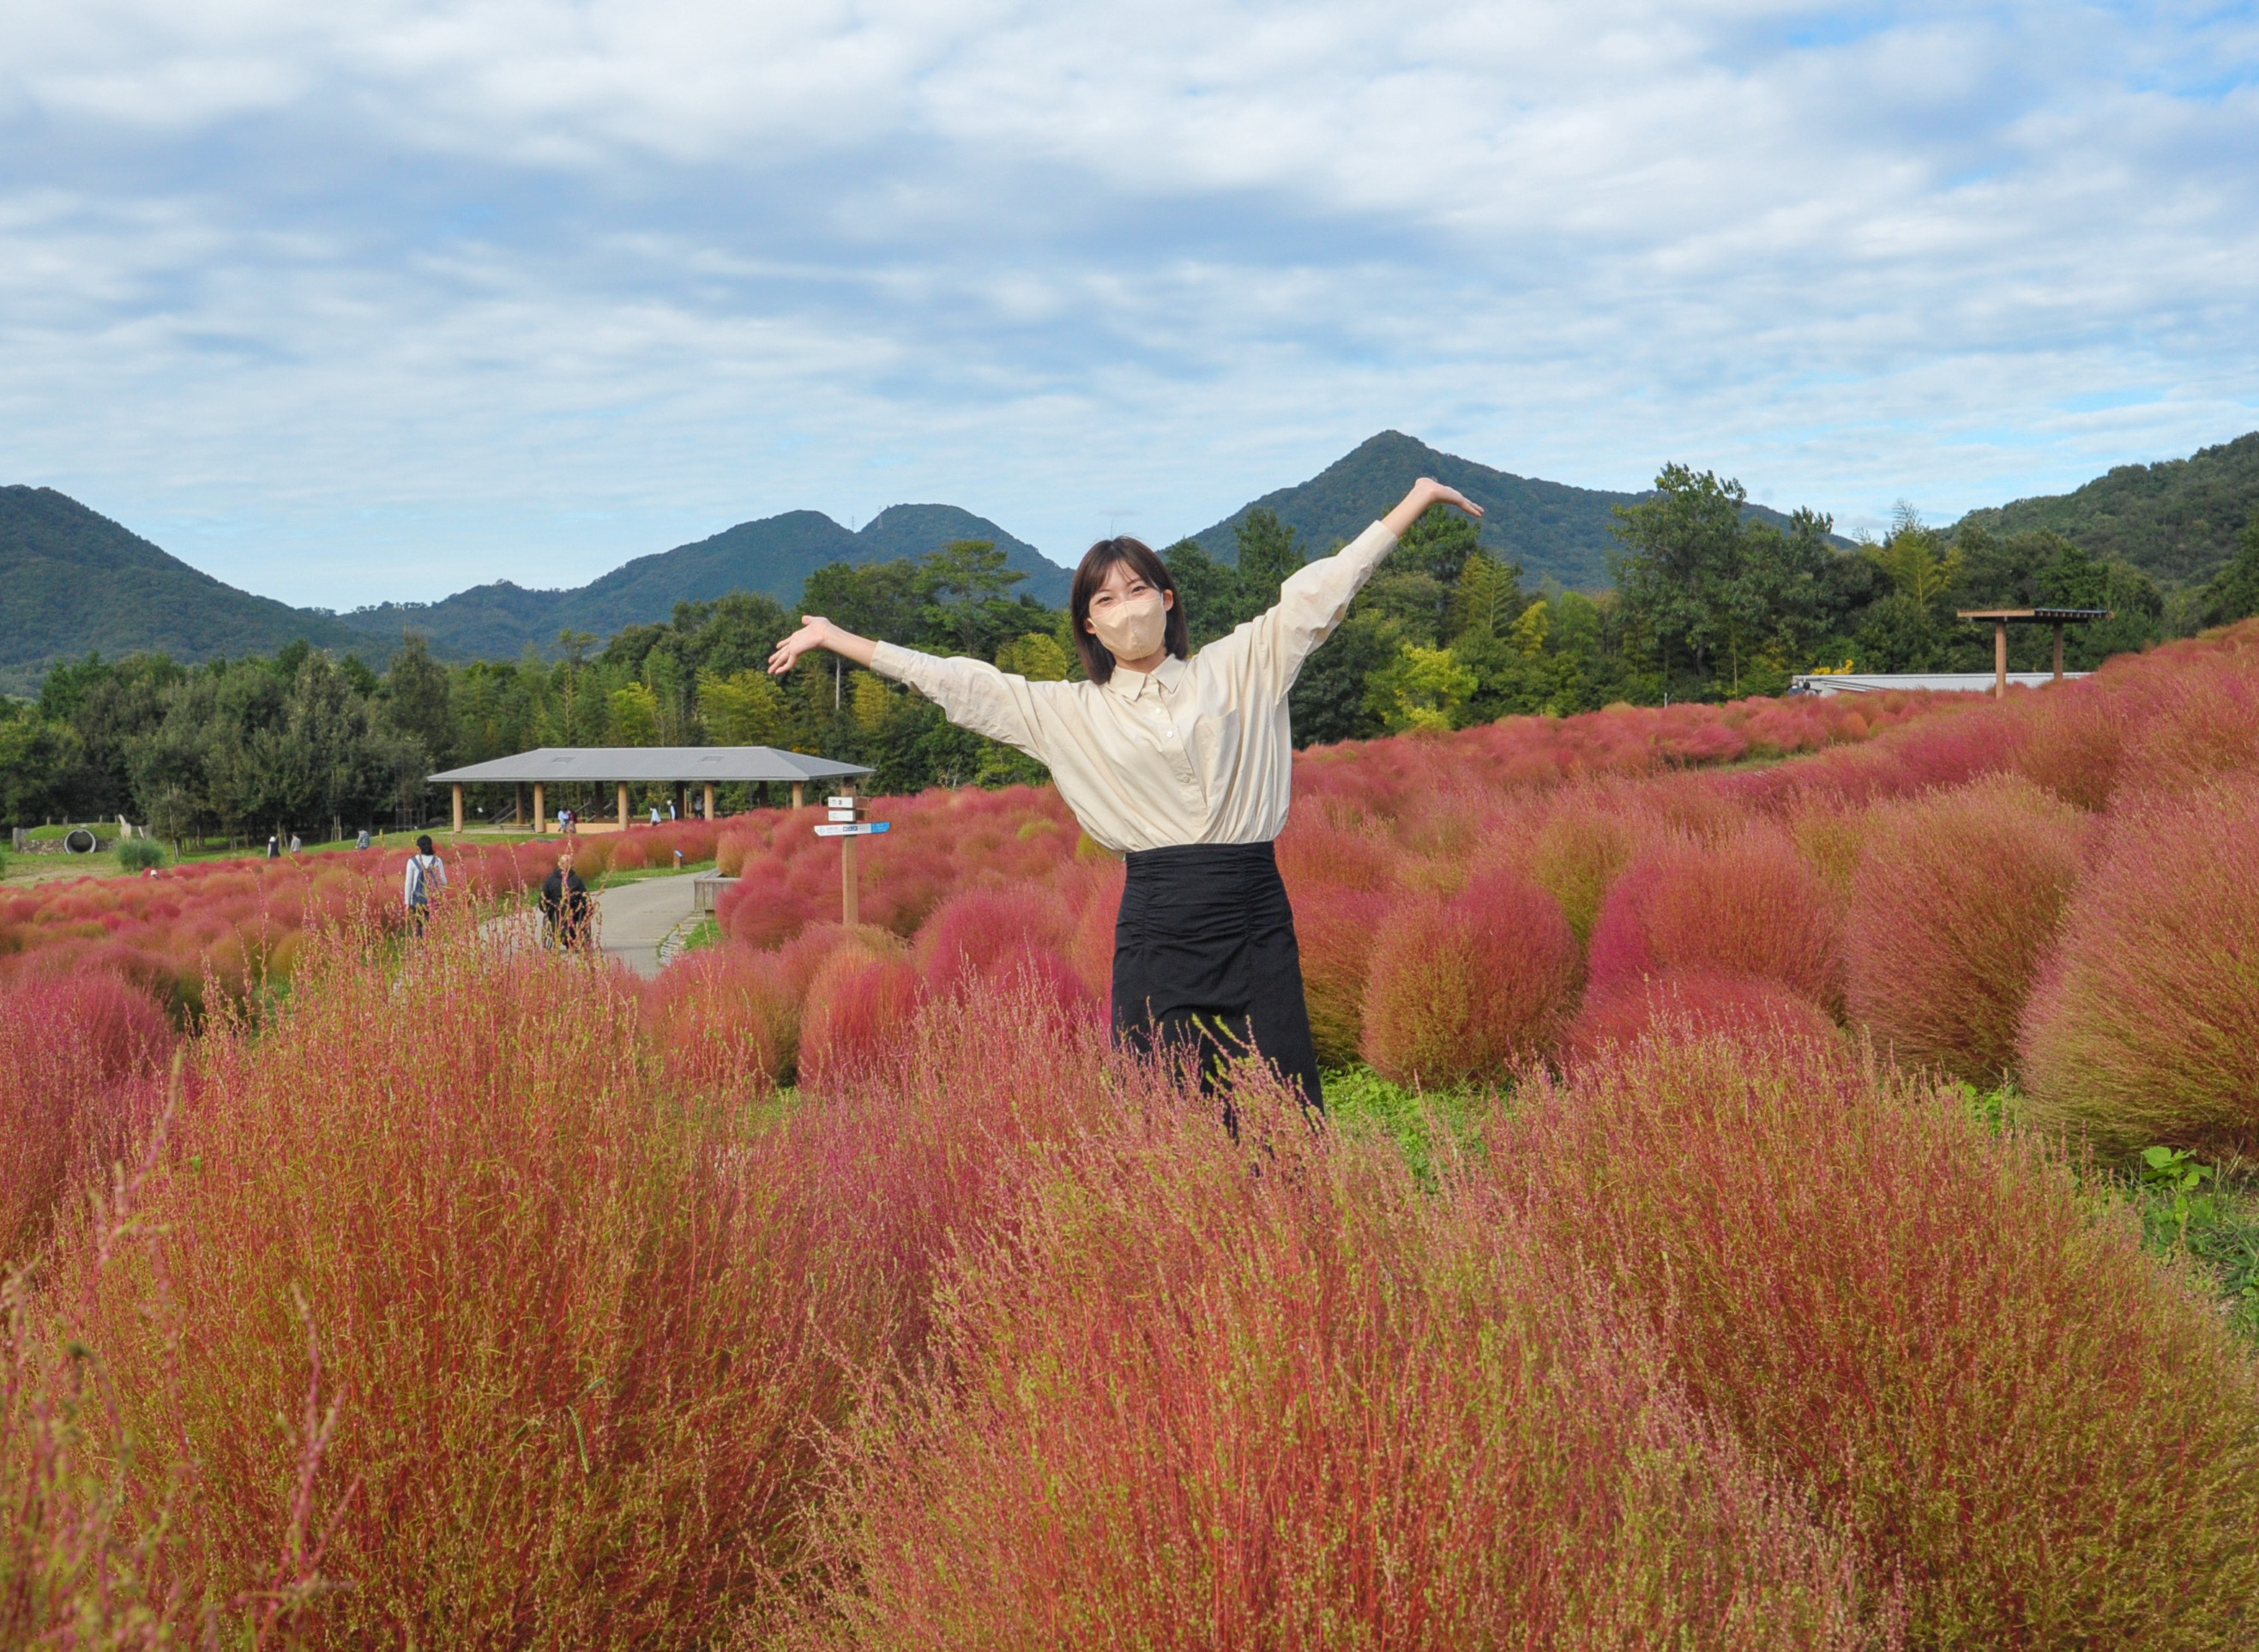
641,924
636,919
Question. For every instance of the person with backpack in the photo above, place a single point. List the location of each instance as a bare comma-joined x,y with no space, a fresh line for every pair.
426,873
565,907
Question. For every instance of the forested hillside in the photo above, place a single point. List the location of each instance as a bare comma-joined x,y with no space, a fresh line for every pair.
72,579
2176,521
773,557
1552,529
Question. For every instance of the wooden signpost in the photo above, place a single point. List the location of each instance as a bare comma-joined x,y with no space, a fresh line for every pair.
846,822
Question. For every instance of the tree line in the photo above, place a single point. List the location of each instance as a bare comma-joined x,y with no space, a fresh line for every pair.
1709,603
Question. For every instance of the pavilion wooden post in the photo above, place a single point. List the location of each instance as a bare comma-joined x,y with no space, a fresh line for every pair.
457,790
710,799
799,795
624,805
851,904
681,799
2000,660
2058,650
540,814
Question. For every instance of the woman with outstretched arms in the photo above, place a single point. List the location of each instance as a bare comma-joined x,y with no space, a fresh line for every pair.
1182,764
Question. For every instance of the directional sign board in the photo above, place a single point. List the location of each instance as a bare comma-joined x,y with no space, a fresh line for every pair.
845,814
841,802
867,828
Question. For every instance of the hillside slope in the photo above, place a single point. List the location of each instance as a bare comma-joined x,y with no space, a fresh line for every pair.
72,579
1550,528
774,555
2178,520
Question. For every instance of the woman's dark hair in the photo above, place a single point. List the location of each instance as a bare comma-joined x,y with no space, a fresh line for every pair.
423,845
1176,636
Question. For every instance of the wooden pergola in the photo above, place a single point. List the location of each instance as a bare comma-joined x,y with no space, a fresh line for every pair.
2003,617
680,766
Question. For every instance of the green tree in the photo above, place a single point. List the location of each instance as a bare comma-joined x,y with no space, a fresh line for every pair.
1485,598
1421,688
417,693
880,599
1209,590
1682,554
958,583
1269,551
745,708
2233,591
635,715
1036,656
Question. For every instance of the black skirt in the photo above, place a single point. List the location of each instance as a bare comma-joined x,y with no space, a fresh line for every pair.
1205,959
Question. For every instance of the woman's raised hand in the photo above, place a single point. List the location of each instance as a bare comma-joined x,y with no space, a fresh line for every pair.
815,631
1425,492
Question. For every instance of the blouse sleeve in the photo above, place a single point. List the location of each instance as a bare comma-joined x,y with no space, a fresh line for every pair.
1310,608
971,692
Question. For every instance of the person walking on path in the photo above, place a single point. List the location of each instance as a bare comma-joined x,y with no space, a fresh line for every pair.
426,873
1181,763
565,907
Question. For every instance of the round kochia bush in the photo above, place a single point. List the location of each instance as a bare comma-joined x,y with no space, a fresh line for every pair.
2145,1027
1748,905
1175,1404
1471,986
1955,1352
1955,901
1679,1004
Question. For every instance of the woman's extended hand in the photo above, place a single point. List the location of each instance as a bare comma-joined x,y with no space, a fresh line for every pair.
1425,492
814,632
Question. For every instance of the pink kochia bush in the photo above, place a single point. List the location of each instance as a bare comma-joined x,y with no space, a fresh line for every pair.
1955,901
1929,1328
81,1056
1200,1394
1679,1004
1472,987
1750,905
2145,1026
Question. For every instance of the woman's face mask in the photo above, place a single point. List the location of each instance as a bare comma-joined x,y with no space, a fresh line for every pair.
1131,628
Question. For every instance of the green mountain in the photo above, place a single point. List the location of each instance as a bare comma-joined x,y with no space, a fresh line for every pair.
72,579
2178,520
1550,528
774,555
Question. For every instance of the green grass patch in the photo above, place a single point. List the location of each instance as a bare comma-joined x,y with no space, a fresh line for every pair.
1423,1123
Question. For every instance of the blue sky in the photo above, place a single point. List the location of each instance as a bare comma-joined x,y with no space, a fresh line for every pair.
349,303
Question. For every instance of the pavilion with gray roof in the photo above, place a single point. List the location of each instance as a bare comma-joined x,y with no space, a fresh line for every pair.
680,766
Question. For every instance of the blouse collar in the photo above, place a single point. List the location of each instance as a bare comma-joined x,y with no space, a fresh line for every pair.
1131,684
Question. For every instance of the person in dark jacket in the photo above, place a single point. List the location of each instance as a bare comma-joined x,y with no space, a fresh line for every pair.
564,906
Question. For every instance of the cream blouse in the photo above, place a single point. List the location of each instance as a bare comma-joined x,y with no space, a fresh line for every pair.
1198,751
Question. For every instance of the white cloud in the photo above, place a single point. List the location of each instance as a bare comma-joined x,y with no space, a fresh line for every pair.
378,301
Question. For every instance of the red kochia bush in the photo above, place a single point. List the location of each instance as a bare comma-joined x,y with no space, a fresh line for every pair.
80,1056
1750,905
1471,986
1182,1405
858,1012
1956,896
2142,1028
1678,1004
993,933
724,1019
1335,928
583,1330
2043,1432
